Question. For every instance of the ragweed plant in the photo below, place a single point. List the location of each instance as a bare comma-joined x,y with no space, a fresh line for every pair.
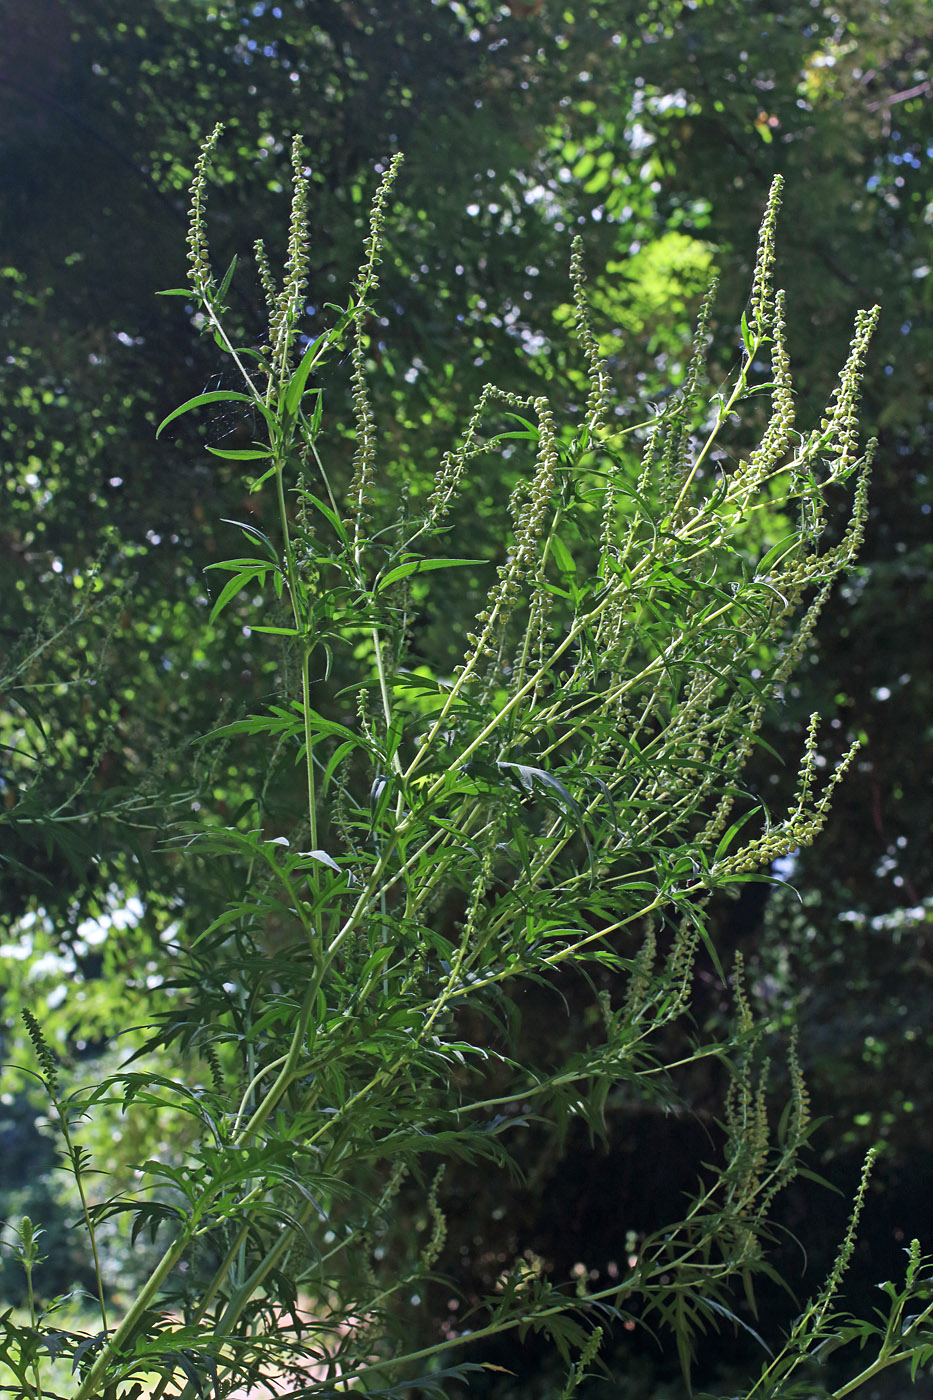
569,794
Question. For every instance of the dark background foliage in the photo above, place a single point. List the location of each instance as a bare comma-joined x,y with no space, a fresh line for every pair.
654,128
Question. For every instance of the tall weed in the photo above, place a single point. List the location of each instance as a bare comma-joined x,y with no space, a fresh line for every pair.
569,794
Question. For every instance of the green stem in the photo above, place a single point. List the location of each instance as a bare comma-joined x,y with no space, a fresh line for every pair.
289,1066
89,1389
210,1294
241,1297
883,1362
887,1357
294,594
737,393
309,759
31,1302
253,1084
88,1223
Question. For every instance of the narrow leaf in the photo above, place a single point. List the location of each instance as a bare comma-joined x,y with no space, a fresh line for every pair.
324,859
233,586
421,566
328,514
239,455
562,556
528,776
253,533
227,279
299,379
215,396
238,565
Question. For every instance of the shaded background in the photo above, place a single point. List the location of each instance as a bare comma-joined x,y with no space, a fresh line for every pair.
654,129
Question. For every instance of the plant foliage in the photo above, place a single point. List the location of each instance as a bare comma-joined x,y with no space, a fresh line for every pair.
568,794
